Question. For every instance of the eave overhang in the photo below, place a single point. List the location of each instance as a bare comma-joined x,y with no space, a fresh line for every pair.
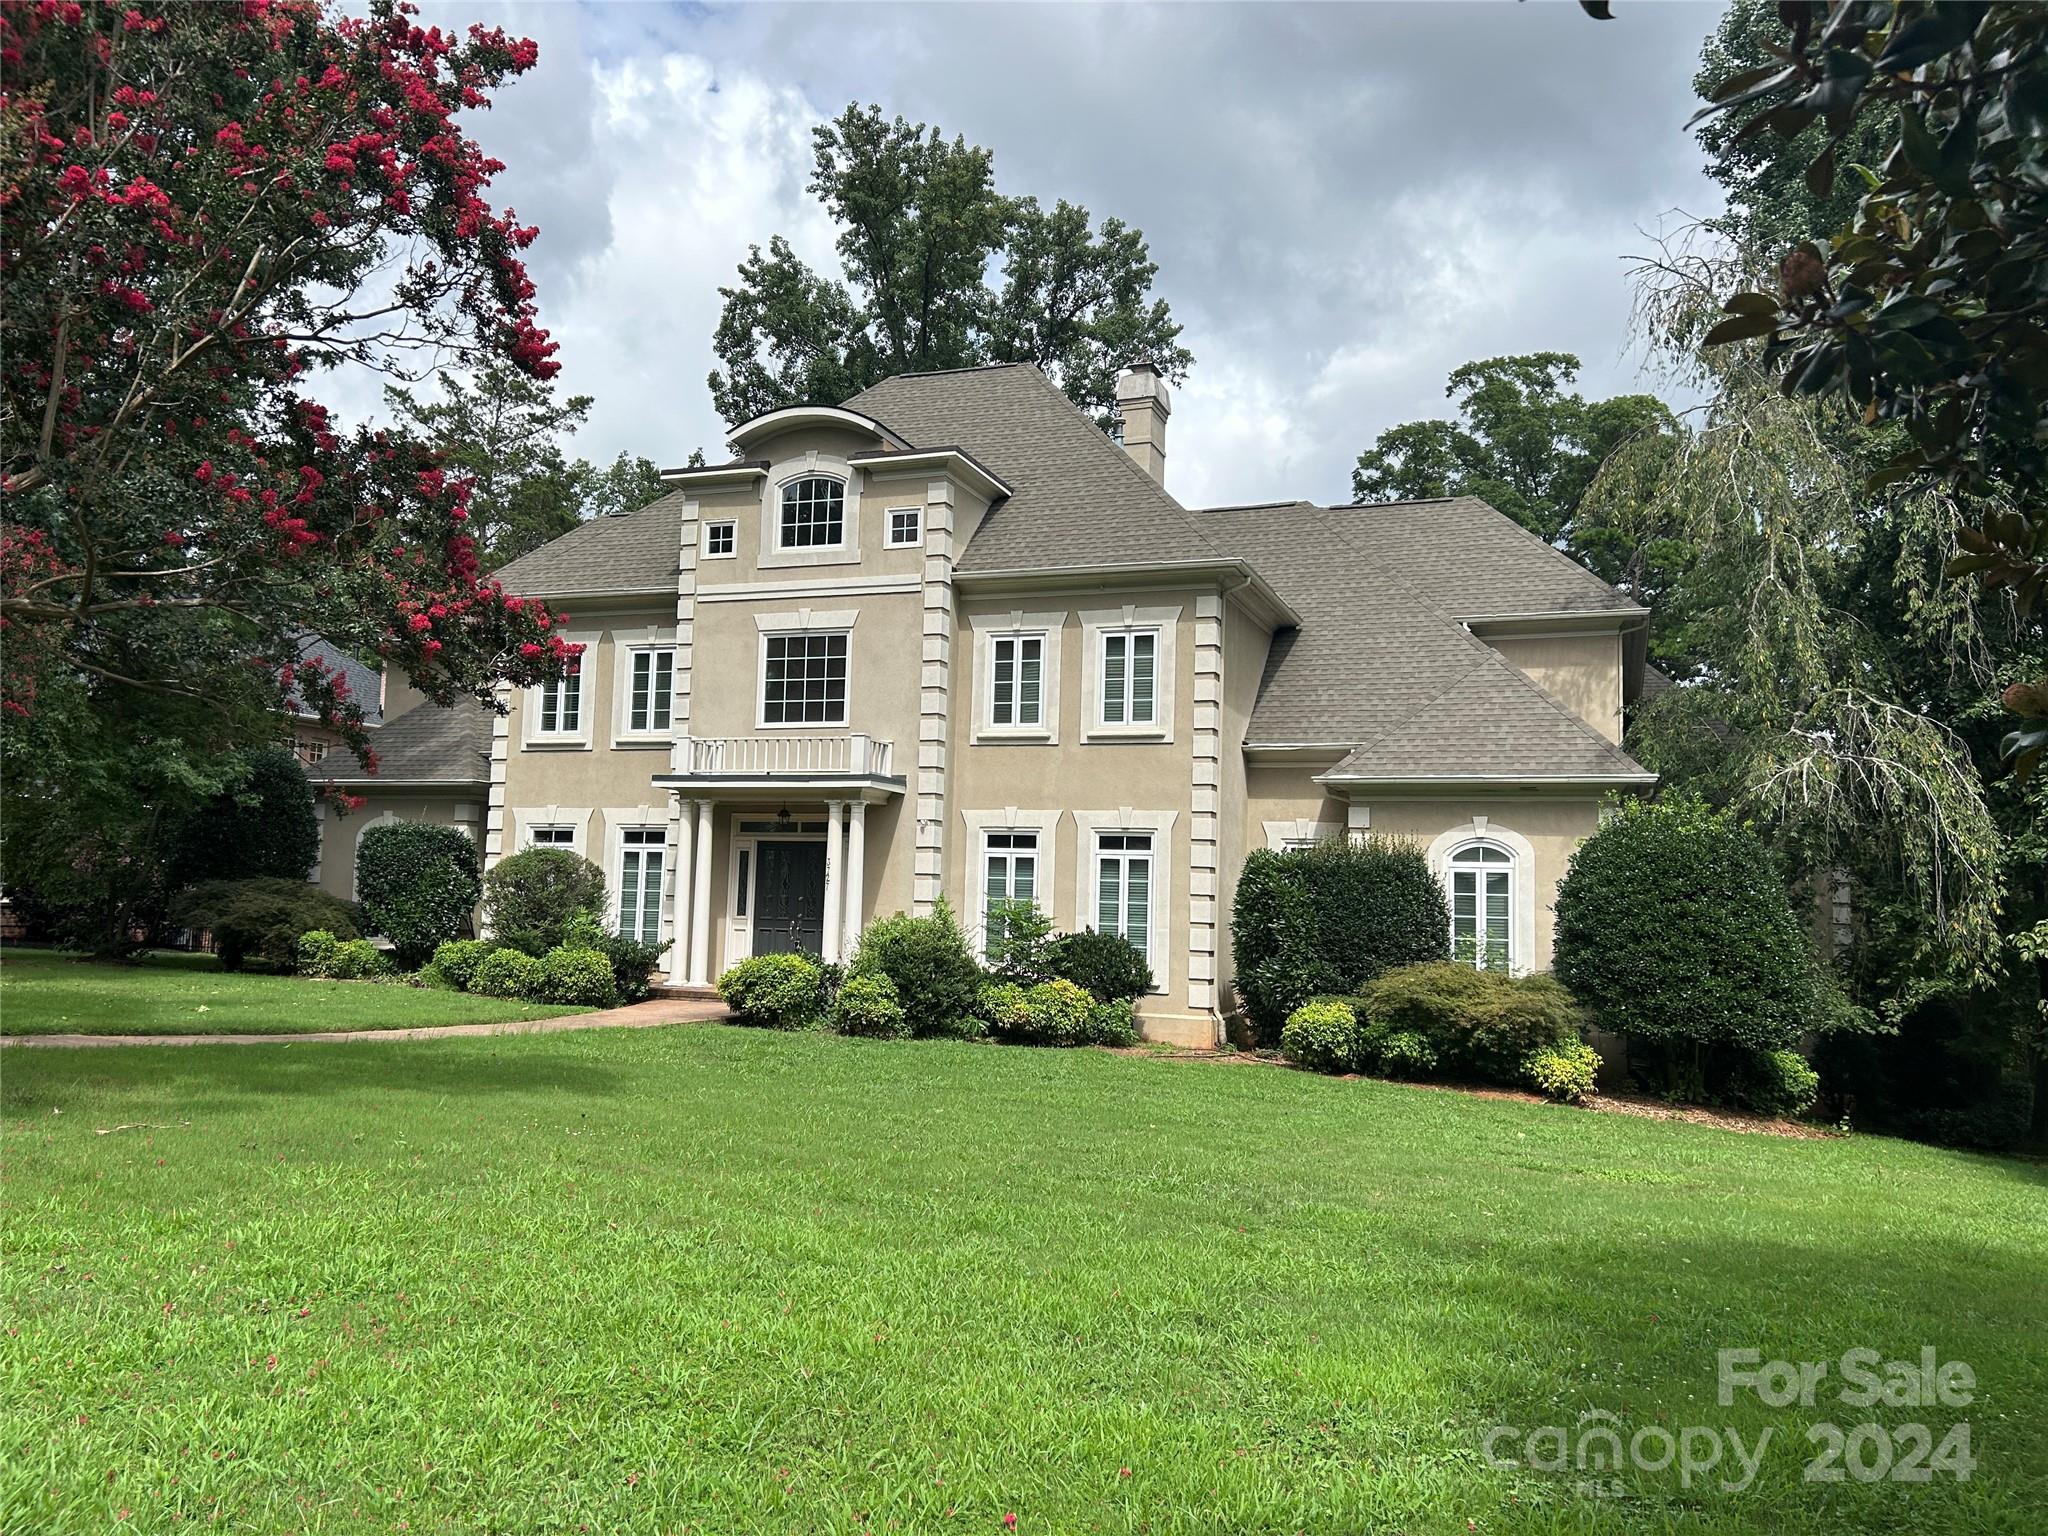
792,416
955,461
738,472
1564,621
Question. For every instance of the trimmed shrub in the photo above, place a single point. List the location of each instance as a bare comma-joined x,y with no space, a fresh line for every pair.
867,1006
263,825
1774,1083
631,961
1046,1013
1322,1035
1404,1053
1479,1024
577,977
530,898
458,959
264,917
1524,1014
937,980
508,973
1329,919
1107,967
1675,929
316,952
357,960
1564,1071
1112,1023
418,885
776,991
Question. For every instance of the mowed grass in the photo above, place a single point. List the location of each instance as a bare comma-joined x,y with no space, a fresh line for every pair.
712,1279
43,992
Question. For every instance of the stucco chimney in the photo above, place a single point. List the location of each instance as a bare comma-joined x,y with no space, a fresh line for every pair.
1144,402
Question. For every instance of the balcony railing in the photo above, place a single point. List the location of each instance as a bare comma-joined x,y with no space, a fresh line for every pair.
788,756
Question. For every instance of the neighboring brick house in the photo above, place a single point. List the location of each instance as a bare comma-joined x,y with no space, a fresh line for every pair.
951,639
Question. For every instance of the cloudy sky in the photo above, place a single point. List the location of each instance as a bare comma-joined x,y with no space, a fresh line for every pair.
1345,201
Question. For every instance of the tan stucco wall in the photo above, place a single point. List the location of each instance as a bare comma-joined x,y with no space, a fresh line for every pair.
1582,672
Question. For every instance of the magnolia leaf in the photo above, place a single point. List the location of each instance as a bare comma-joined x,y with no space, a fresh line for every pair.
1751,304
1740,328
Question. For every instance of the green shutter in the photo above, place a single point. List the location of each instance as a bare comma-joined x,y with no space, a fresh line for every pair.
1113,679
1138,903
1142,647
1030,657
1005,686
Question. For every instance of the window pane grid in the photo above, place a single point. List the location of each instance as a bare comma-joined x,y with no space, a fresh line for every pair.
813,513
718,538
804,680
903,526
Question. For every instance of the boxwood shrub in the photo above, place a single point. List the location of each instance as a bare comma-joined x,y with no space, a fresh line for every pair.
418,885
777,991
530,898
867,1006
579,978
458,959
1329,919
1322,1035
631,961
356,960
508,973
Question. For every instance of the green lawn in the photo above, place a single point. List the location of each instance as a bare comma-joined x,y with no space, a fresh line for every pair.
713,1279
46,993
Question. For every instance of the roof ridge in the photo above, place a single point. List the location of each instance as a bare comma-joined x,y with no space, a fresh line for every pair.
1528,533
937,373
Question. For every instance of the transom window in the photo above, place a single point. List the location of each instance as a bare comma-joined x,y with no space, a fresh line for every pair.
653,683
551,837
561,702
1482,906
1016,685
642,853
718,540
813,513
906,526
1123,888
1009,874
803,680
1129,663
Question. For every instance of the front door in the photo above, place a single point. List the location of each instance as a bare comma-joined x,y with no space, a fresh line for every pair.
789,898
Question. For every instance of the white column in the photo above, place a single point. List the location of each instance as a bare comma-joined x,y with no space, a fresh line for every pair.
700,900
679,917
856,873
835,821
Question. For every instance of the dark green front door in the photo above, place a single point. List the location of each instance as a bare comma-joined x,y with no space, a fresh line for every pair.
789,898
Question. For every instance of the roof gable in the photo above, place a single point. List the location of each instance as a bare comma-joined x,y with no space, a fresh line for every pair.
1476,561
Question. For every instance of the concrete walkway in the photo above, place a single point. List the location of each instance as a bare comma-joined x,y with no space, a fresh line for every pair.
660,1010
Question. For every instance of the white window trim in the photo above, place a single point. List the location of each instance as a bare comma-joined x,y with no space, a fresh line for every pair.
533,738
625,645
575,817
804,621
889,516
1281,835
1160,824
704,538
618,820
990,627
846,552
1521,886
979,824
1095,625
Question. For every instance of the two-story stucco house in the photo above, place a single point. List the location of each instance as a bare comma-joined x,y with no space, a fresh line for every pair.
950,639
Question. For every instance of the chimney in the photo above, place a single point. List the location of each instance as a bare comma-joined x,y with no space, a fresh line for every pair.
1144,403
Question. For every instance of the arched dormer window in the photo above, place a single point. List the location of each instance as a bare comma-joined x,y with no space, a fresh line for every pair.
1482,881
813,513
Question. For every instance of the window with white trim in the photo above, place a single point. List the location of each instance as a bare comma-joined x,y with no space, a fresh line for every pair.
1009,873
1482,879
1016,694
551,837
803,679
813,513
1123,888
906,527
642,853
720,540
561,703
651,685
1128,668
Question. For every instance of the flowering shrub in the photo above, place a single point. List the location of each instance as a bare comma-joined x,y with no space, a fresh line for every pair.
508,973
867,1005
1045,1013
1321,1035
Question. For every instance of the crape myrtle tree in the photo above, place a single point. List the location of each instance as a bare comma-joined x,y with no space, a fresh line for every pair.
201,207
922,228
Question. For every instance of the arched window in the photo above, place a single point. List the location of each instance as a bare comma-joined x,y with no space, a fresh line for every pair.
1482,878
813,513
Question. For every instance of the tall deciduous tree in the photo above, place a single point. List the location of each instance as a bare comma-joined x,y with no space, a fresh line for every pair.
921,226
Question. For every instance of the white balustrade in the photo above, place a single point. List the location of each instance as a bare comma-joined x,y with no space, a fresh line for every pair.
793,756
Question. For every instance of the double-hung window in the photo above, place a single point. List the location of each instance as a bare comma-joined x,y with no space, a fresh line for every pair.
642,852
650,682
1009,874
813,513
1123,888
1128,693
1482,906
803,679
1017,682
561,702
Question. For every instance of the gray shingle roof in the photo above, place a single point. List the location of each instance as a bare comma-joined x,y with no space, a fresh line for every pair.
365,684
1077,499
636,552
1476,562
1377,665
426,745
